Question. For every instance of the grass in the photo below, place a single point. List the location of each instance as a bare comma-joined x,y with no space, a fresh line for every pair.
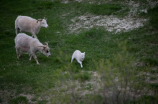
19,100
123,55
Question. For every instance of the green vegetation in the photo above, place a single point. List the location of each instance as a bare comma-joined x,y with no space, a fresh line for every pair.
118,67
19,100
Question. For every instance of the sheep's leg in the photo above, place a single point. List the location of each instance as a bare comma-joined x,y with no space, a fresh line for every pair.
16,31
20,53
30,57
34,56
34,35
17,52
36,60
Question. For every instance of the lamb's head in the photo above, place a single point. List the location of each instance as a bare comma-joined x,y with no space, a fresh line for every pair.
43,22
45,50
83,55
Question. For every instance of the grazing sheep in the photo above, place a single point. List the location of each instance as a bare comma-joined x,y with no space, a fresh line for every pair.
30,25
78,56
25,43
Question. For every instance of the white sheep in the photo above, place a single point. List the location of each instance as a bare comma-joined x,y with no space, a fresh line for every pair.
25,43
30,25
78,56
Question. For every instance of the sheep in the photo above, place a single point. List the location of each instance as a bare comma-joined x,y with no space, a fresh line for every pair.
30,25
28,44
78,56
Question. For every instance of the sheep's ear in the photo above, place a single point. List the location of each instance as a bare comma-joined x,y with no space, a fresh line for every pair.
45,18
39,20
42,46
46,43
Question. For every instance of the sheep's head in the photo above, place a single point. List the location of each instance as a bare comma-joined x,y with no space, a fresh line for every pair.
43,22
45,49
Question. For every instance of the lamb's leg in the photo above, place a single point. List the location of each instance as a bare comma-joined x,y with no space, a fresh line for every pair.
80,63
72,59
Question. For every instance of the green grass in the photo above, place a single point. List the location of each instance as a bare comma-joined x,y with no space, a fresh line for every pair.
18,100
56,80
103,9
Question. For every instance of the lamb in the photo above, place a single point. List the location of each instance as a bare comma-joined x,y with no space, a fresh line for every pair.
30,25
78,56
28,44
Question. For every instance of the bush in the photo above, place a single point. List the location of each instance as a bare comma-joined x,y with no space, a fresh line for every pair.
121,80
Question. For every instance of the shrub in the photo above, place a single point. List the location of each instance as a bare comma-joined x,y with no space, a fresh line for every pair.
121,80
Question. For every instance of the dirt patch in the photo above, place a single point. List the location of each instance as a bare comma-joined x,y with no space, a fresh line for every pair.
73,88
67,1
5,95
88,87
110,23
76,87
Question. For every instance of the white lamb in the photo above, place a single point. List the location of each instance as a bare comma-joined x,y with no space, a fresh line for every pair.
25,43
78,56
30,25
